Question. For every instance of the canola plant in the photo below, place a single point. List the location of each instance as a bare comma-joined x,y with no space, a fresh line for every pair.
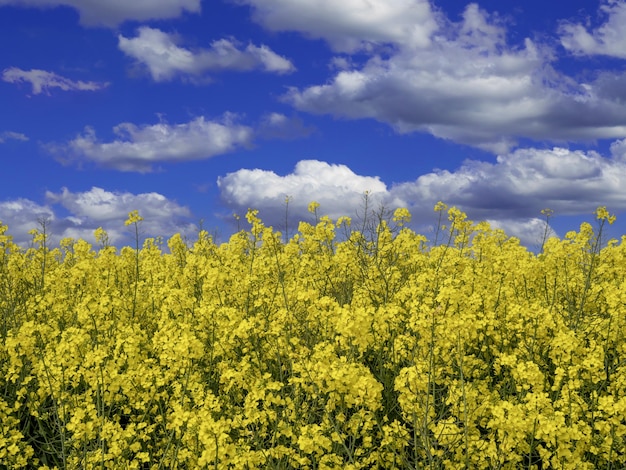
340,348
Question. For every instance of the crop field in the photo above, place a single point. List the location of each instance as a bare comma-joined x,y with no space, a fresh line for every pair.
354,344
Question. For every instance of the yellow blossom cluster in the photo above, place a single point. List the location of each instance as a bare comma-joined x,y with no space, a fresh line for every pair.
339,348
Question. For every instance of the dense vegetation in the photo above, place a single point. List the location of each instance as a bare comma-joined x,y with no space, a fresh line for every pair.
351,345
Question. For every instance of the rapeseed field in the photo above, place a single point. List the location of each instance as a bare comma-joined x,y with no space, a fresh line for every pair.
348,346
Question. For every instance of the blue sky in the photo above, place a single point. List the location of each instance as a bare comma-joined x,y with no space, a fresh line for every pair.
190,111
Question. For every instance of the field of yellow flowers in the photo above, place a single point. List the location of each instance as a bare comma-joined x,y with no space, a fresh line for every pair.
348,346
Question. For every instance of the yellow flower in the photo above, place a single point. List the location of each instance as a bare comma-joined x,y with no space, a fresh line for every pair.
133,218
401,216
603,214
313,206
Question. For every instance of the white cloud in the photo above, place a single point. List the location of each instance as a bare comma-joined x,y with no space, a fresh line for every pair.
22,215
350,25
509,193
95,208
111,13
138,148
522,183
461,81
608,39
337,188
165,59
105,206
4,136
42,81
618,150
341,63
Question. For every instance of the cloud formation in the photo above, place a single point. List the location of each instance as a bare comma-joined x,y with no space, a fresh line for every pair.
95,208
41,81
22,215
509,193
608,39
524,182
9,135
350,25
337,188
165,59
462,81
111,13
140,147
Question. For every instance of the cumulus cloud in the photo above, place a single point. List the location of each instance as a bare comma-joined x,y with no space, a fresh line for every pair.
95,208
22,215
509,193
111,13
608,39
462,81
524,182
350,25
139,147
337,188
9,135
42,81
165,59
